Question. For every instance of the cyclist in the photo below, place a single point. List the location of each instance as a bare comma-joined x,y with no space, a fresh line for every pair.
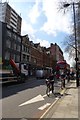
62,76
68,76
51,81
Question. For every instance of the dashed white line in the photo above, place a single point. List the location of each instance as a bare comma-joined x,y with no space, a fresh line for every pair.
48,109
44,106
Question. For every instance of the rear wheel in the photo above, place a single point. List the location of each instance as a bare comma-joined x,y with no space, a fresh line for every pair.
48,90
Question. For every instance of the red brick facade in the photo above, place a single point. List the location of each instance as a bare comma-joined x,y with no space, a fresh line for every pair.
41,57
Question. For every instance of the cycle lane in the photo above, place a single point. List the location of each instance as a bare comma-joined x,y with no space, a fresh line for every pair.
51,100
61,108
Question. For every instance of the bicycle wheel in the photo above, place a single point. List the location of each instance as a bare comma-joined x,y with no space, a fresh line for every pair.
52,86
48,91
62,86
49,88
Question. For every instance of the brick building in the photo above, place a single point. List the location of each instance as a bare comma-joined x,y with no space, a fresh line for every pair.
25,49
56,52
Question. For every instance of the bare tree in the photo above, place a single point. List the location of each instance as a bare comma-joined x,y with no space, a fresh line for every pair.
69,41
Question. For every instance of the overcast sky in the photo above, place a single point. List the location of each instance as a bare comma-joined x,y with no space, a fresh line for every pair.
43,21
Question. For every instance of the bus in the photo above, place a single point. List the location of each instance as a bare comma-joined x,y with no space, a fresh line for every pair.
62,65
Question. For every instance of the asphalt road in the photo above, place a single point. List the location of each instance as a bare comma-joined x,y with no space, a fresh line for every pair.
26,100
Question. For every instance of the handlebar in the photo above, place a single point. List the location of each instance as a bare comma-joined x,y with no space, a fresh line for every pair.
49,81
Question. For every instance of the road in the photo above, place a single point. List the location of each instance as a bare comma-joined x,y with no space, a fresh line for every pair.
26,100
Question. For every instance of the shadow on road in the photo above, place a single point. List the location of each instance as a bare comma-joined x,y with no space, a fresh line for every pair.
13,88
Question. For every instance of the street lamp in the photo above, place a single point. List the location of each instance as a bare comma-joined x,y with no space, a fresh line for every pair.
76,56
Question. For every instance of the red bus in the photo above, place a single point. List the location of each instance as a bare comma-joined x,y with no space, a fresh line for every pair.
62,65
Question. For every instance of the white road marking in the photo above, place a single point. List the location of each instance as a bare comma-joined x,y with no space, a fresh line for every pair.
44,106
33,100
48,109
44,95
56,98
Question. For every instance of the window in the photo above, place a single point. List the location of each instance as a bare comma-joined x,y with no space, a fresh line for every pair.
17,58
25,66
8,43
35,61
27,50
18,47
27,58
19,39
14,46
13,56
24,48
14,36
24,57
8,33
13,24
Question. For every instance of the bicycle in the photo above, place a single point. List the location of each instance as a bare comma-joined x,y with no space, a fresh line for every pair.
62,82
50,86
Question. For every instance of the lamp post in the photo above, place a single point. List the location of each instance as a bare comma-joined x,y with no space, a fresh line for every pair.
76,56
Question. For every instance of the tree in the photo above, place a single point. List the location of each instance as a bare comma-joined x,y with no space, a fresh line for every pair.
69,44
69,41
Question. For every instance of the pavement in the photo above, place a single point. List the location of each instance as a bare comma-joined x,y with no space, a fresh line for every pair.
67,106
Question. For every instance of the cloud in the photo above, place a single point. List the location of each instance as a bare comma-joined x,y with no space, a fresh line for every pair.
34,12
27,28
44,43
56,22
18,1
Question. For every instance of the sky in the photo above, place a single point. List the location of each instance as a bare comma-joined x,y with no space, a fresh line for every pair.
44,22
